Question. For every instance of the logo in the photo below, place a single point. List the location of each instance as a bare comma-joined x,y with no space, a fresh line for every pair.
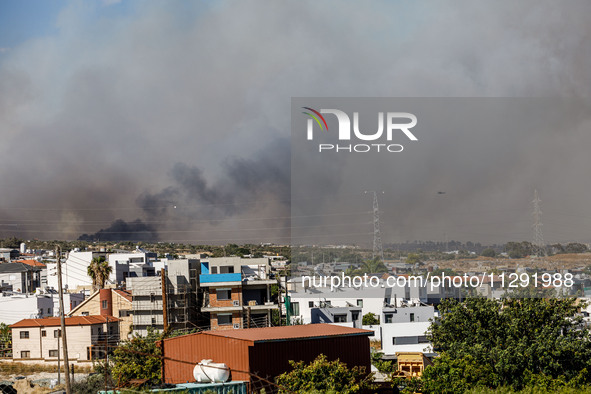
397,124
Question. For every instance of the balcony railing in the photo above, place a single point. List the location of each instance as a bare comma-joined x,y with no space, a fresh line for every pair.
215,278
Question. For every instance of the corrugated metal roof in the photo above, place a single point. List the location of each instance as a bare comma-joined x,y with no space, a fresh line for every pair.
70,321
267,334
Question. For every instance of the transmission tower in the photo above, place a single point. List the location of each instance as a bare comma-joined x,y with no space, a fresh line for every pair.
539,245
377,237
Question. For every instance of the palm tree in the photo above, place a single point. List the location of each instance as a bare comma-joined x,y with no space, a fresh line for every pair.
374,266
99,270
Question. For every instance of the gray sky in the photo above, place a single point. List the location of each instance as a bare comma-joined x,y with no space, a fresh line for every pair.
126,110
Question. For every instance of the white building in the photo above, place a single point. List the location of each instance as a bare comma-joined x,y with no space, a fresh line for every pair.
17,307
371,299
74,271
405,337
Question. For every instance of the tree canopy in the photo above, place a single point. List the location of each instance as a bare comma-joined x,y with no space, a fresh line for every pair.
507,343
323,376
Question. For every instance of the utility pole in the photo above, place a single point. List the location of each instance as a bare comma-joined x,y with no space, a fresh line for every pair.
378,251
107,357
63,319
539,245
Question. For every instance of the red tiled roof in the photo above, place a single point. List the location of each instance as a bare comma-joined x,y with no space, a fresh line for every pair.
33,263
266,334
70,321
125,294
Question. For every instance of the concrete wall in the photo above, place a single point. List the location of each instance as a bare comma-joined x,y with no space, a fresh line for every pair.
17,308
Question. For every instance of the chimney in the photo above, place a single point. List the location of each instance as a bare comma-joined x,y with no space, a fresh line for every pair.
106,303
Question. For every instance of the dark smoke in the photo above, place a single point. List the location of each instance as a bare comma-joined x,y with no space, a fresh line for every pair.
243,186
120,230
242,183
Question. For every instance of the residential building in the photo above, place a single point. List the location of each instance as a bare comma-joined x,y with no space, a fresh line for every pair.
40,265
130,264
8,254
405,337
89,337
304,299
350,315
109,302
16,307
237,292
181,288
74,271
19,277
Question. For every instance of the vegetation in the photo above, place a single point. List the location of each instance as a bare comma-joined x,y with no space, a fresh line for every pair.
137,358
5,340
513,343
99,271
488,252
386,367
16,368
369,319
323,376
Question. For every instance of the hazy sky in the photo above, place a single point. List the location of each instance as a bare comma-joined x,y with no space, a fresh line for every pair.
178,113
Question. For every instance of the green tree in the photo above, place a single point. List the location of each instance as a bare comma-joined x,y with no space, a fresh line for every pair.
324,376
503,342
5,340
413,258
138,358
369,319
489,252
373,266
99,271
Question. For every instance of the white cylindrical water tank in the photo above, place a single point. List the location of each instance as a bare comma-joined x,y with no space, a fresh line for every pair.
23,248
207,372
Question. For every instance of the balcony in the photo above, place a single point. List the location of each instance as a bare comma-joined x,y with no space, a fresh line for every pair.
220,279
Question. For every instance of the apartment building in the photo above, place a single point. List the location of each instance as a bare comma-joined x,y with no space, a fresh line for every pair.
237,292
182,298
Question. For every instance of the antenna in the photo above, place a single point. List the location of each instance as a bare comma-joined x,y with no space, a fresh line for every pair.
539,245
377,237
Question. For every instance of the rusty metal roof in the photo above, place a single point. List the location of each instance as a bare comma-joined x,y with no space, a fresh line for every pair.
268,334
70,321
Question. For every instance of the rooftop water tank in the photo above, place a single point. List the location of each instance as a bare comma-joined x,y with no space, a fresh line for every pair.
209,372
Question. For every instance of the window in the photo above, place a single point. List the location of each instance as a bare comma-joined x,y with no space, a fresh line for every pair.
340,318
295,308
224,294
25,354
311,304
53,353
388,318
43,333
124,313
152,297
24,335
405,340
49,311
105,304
423,339
227,269
214,270
85,314
355,315
153,320
57,333
224,319
412,317
360,303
